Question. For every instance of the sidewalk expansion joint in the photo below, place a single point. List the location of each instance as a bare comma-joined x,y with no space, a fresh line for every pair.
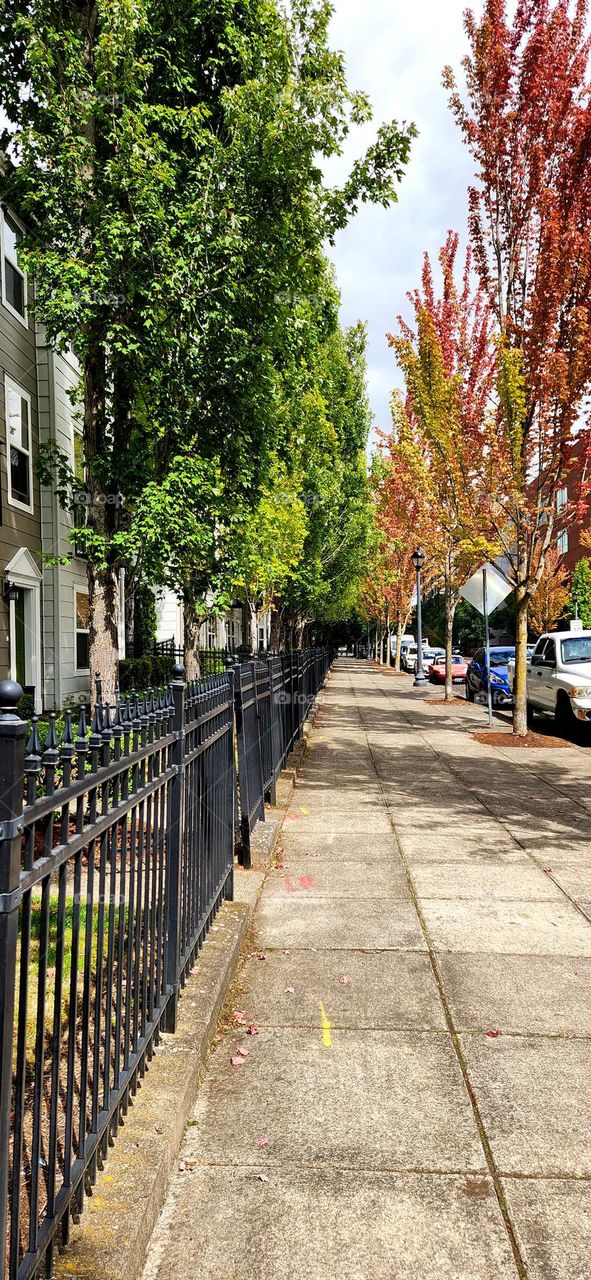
473,790
487,1149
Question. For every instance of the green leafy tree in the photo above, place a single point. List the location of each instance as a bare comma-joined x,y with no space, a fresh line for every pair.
166,156
265,544
331,421
579,601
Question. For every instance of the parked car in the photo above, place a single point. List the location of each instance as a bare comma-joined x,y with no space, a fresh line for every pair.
477,675
408,653
405,640
459,667
428,655
559,677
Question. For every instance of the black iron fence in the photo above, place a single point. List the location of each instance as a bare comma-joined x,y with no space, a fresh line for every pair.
116,850
273,699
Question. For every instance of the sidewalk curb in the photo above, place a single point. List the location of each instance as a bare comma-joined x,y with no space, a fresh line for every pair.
112,1237
118,1218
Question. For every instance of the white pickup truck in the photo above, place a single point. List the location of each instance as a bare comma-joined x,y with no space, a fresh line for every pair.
559,677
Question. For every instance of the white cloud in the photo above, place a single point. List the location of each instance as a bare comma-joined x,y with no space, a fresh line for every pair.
396,51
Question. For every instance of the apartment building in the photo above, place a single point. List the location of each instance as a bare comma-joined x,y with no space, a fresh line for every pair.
43,610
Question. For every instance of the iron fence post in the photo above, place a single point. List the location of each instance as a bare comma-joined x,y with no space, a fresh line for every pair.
243,825
12,764
176,810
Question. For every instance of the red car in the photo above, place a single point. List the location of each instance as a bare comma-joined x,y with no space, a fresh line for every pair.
459,667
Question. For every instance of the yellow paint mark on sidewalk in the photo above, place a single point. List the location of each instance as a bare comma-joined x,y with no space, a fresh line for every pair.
326,1028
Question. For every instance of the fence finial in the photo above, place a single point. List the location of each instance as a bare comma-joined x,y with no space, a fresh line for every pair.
10,696
178,672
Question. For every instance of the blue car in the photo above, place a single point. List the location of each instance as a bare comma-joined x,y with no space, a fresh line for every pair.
477,675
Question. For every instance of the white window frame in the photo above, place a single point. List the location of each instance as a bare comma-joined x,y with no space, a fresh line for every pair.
9,383
24,320
82,590
562,542
561,498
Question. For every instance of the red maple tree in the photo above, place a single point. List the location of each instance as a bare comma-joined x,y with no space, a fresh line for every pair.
403,519
527,122
448,362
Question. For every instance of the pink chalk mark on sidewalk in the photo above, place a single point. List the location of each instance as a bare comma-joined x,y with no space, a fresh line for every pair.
304,882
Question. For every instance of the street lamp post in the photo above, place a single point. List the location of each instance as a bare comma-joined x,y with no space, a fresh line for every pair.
418,559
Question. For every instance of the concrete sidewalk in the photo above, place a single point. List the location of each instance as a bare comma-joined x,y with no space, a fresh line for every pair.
415,1105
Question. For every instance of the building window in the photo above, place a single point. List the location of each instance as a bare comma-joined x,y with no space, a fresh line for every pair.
14,280
82,629
211,635
561,499
562,543
18,446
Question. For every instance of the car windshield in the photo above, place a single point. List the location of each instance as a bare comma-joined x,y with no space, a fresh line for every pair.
457,659
501,657
577,650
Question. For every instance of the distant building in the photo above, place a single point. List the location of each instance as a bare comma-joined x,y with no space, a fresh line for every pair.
569,530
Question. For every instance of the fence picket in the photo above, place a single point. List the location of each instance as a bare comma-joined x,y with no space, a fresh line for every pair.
116,851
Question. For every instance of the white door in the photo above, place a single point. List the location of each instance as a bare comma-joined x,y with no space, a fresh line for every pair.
24,579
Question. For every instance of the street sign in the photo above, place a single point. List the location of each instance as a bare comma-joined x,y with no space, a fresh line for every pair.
497,588
486,590
576,624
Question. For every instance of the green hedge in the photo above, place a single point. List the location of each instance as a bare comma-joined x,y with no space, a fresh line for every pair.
153,669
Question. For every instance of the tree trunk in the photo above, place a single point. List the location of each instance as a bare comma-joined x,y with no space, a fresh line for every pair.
520,681
284,632
451,604
275,631
130,621
299,637
103,606
191,629
399,630
252,636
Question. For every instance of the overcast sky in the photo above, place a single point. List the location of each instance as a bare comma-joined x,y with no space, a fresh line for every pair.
396,50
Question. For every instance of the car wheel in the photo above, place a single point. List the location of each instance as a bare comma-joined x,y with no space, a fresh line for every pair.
469,693
563,715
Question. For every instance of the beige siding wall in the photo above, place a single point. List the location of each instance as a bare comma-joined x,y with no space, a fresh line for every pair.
18,528
63,683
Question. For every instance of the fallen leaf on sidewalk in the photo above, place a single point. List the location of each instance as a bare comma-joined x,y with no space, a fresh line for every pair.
290,991
239,1018
263,1177
237,1060
252,1030
181,1166
262,1142
492,1035
243,1052
262,955
345,982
